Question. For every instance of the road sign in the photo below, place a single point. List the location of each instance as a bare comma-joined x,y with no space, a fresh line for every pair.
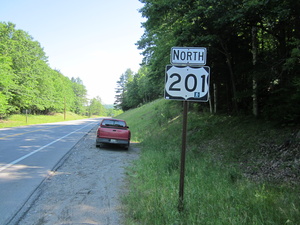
187,83
185,56
186,80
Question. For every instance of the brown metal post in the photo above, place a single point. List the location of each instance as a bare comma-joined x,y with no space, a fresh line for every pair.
183,150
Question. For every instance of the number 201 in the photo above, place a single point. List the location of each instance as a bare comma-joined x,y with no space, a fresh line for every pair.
189,76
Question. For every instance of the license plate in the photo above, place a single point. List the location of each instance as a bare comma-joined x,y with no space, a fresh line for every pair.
113,141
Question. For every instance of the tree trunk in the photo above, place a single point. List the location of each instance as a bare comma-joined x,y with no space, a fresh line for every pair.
215,98
232,80
254,80
210,103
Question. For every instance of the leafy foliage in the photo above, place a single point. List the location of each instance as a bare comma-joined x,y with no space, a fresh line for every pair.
96,107
134,89
122,88
28,82
247,40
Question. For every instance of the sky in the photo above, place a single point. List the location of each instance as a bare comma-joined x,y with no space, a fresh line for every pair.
94,40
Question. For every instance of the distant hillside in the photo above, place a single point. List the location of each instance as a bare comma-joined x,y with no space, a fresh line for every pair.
109,106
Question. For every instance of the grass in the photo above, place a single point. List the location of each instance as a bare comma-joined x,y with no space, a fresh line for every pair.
21,120
217,191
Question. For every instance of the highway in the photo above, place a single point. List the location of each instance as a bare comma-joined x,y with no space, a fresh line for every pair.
28,154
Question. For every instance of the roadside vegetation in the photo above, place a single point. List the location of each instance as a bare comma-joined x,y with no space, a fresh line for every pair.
28,83
23,120
16,120
239,170
252,51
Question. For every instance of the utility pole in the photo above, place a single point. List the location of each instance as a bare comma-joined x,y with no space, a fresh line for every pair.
65,108
26,116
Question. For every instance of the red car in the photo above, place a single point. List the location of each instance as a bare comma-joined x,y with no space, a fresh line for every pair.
113,131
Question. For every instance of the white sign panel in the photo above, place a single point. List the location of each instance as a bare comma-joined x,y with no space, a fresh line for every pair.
187,83
188,56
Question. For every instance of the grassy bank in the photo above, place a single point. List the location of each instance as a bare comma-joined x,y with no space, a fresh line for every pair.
237,169
23,120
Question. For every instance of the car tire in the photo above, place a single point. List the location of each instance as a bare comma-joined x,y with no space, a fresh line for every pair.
127,146
99,145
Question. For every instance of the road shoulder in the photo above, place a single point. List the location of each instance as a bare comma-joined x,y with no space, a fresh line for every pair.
85,187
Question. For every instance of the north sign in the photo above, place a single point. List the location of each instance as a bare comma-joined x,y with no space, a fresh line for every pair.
187,83
188,56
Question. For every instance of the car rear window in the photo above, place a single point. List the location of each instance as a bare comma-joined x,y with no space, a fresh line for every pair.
113,123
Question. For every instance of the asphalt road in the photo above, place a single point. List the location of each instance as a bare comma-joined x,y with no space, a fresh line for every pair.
29,154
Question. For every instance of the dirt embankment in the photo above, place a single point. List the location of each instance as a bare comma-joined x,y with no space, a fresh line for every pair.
85,189
275,163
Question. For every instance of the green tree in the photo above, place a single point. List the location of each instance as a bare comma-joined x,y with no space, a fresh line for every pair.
140,90
248,41
121,100
27,81
80,95
46,102
96,107
26,55
6,83
146,89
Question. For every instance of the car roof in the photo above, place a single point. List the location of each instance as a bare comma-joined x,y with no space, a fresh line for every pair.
113,119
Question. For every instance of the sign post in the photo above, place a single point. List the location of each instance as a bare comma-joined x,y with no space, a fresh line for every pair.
182,161
187,79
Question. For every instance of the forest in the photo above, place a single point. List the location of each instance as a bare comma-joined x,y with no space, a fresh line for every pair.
28,83
253,50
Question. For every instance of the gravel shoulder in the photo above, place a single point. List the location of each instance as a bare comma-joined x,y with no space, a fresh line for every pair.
85,188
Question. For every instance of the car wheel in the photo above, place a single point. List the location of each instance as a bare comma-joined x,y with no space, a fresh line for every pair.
127,146
99,145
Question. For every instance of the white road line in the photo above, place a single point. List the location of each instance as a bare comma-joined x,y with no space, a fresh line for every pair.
35,151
